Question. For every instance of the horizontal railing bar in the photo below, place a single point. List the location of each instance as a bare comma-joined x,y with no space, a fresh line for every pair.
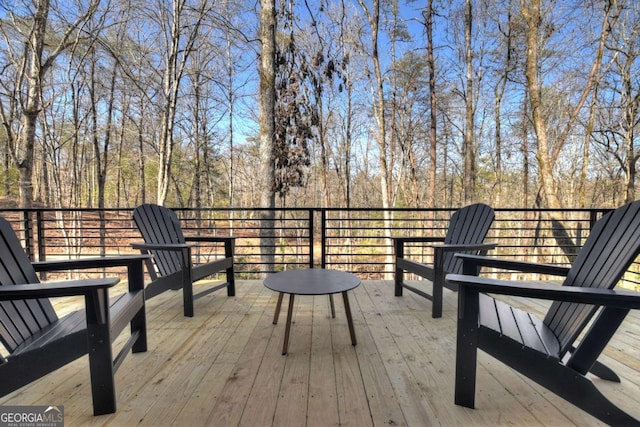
333,237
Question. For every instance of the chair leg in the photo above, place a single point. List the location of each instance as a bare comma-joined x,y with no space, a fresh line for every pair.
436,307
573,387
103,390
139,324
601,370
438,283
591,400
399,276
187,299
231,287
228,253
187,283
467,348
139,321
398,280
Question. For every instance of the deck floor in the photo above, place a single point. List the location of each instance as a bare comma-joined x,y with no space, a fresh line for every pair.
224,367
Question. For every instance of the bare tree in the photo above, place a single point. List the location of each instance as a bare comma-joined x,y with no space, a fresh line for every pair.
180,25
433,126
32,61
373,16
532,13
344,162
626,66
506,69
409,124
267,130
469,149
546,155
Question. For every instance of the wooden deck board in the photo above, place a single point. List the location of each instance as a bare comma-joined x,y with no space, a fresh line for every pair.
322,407
224,367
199,406
405,391
293,396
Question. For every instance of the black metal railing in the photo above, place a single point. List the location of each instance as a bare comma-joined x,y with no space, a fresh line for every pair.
355,240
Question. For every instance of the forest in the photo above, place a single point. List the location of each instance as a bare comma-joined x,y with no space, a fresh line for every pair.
329,103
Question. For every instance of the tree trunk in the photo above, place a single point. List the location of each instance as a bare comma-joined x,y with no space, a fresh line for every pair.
531,12
469,149
141,152
267,132
379,110
433,124
230,100
499,94
33,67
630,113
610,17
32,105
525,151
179,49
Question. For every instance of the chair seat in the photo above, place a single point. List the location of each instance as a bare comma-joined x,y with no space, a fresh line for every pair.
64,328
75,323
518,325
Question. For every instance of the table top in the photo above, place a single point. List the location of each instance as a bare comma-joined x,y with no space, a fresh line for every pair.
312,281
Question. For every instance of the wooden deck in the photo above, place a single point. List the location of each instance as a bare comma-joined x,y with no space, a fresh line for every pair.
224,367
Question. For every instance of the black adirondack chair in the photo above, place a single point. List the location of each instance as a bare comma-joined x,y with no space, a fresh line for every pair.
171,266
38,342
545,350
467,229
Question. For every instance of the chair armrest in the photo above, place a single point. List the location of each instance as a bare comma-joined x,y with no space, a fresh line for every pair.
418,239
508,264
399,243
92,262
95,292
466,247
582,295
161,247
216,239
55,289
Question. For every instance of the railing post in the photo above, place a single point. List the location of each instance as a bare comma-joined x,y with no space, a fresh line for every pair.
42,250
323,238
311,240
593,217
28,234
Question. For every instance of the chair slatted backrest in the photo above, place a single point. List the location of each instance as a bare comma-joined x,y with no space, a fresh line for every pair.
612,245
468,225
19,319
159,225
